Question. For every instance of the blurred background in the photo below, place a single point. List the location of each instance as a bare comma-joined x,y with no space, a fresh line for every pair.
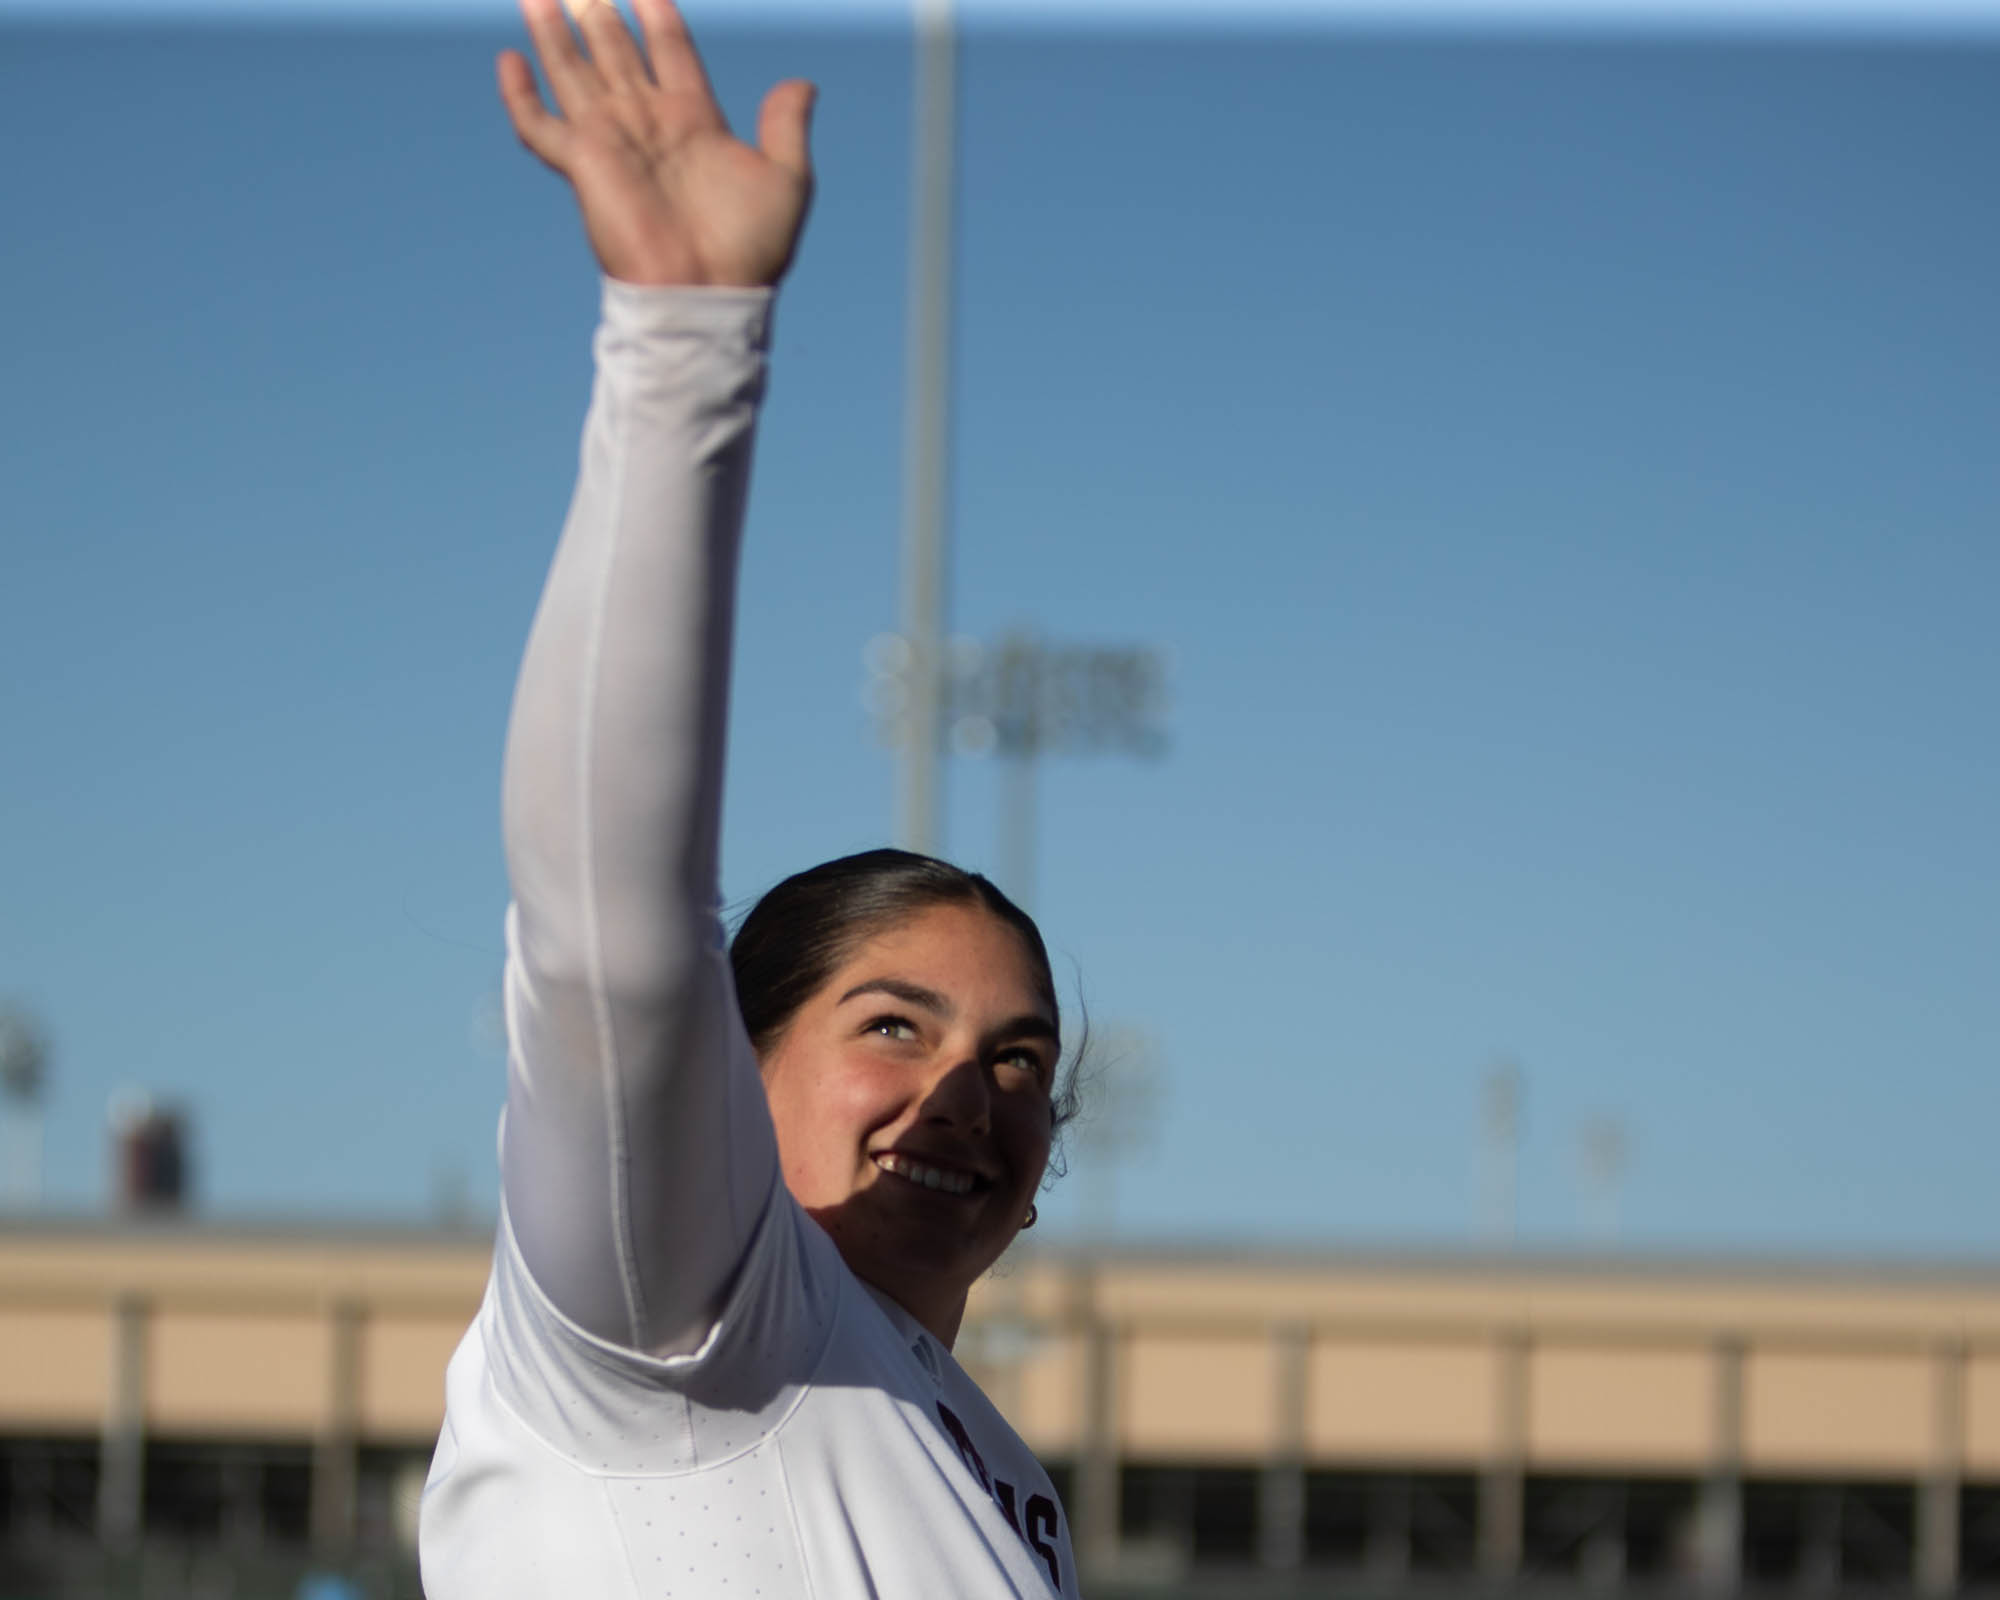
1467,567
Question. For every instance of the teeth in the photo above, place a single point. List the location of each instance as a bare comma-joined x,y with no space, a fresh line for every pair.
930,1177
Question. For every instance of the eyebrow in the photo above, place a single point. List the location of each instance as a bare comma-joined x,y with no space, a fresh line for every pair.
914,994
1029,1025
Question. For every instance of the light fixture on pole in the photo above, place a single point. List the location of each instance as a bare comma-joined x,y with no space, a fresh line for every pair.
24,1061
1605,1154
1021,699
1120,1116
1500,1100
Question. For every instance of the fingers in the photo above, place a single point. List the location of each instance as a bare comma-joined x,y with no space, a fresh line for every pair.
677,67
542,133
569,74
784,127
611,47
614,60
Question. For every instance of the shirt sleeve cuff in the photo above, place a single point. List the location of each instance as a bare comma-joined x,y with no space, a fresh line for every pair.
732,314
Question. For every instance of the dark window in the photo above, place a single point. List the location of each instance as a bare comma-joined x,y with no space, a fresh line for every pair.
387,1483
1391,1524
1979,1535
1341,1519
1659,1527
48,1490
1208,1514
1156,1504
1824,1535
1603,1530
1225,1514
183,1493
286,1495
238,1495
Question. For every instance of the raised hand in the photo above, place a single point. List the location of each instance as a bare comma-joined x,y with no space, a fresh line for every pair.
668,194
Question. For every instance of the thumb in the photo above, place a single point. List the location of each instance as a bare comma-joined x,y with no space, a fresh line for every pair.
545,135
783,126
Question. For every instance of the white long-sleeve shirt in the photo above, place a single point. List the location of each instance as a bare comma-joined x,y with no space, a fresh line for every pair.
674,1386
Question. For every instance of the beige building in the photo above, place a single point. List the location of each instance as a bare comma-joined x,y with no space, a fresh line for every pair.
1340,1417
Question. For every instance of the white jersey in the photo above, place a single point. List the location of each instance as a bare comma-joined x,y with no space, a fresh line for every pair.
674,1386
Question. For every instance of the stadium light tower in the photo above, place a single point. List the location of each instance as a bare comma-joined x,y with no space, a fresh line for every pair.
927,437
1121,1117
23,1077
1606,1153
1500,1105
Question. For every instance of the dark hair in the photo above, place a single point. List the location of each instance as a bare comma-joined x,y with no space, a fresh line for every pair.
800,932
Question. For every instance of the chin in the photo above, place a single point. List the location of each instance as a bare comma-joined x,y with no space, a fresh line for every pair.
892,1251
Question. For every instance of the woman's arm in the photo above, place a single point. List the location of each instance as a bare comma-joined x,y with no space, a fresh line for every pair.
638,1150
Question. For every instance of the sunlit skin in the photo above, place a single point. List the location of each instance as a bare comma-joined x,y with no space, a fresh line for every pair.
933,1042
668,194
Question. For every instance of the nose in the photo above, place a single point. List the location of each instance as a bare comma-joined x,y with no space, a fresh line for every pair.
958,1097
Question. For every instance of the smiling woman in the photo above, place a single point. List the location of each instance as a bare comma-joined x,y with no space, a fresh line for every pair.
735,1242
914,1095
868,969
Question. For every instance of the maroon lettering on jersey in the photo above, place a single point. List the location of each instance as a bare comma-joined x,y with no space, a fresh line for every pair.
966,1447
1003,1491
1044,1522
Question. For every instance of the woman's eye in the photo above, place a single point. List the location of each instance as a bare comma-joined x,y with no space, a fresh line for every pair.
1024,1061
892,1028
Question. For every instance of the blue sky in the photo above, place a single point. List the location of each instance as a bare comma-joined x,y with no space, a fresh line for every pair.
1559,467
1880,18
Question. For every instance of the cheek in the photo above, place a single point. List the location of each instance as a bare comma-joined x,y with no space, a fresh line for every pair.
825,1112
1031,1130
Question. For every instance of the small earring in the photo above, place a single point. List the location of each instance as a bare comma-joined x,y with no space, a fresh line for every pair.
1030,1222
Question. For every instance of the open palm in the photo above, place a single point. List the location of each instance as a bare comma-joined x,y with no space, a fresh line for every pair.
668,194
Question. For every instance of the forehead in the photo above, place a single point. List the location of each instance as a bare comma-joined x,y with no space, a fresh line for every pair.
963,951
